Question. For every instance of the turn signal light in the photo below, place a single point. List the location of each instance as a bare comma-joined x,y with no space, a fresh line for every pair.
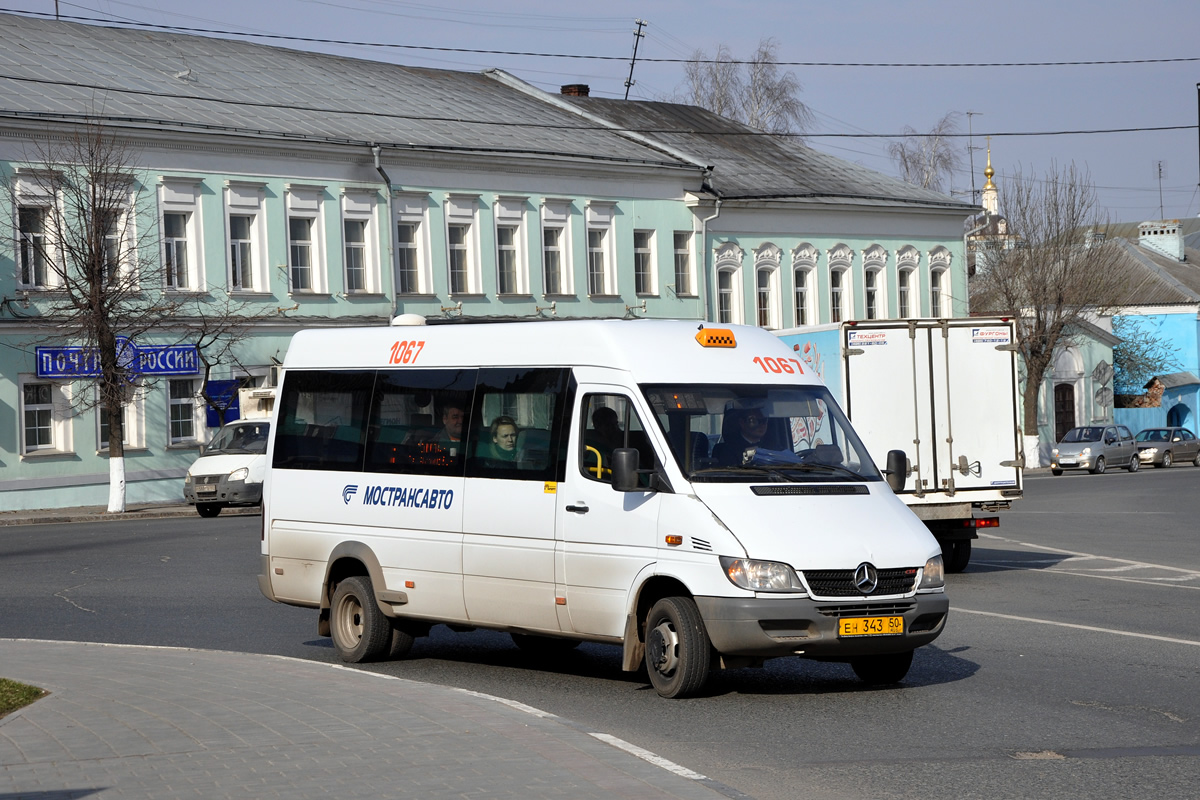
716,337
674,540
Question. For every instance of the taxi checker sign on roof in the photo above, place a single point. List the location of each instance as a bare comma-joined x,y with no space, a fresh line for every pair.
84,362
866,338
990,335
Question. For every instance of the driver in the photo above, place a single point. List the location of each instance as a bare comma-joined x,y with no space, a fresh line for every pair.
744,428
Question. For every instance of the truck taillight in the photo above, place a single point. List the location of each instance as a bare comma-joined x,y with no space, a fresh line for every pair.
982,522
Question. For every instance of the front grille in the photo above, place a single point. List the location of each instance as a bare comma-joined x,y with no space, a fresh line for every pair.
207,480
868,609
840,582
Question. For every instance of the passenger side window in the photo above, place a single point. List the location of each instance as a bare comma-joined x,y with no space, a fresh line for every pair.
420,421
322,420
609,422
518,424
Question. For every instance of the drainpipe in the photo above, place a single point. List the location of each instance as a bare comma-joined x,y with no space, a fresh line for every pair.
704,252
391,245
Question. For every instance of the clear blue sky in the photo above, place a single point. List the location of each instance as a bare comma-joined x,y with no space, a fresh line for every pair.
846,100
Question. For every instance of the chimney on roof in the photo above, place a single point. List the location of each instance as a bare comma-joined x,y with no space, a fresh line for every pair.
575,90
1162,236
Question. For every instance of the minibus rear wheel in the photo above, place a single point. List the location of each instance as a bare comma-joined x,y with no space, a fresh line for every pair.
359,629
882,669
678,650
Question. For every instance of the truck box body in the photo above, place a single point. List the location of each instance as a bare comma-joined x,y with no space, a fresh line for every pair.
943,391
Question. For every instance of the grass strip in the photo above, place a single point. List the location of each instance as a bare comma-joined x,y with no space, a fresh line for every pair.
15,695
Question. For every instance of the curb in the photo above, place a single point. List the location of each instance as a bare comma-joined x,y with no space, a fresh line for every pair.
101,514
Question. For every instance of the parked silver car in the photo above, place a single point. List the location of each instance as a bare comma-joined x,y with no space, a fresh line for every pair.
1094,448
1164,446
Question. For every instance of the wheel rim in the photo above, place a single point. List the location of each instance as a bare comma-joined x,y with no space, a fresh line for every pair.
1166,459
663,647
1100,464
348,621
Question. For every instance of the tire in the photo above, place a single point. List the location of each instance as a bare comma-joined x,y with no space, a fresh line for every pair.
956,555
884,669
208,509
401,642
1135,463
1167,459
543,645
678,651
1100,466
1196,460
1056,472
359,629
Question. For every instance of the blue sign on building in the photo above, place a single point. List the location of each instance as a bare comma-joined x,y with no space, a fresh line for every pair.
84,362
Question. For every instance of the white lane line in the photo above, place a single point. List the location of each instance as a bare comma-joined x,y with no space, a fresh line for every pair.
1093,628
1076,554
646,755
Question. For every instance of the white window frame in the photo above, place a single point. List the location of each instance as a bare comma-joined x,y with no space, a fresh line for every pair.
908,276
123,240
509,215
556,216
645,258
30,192
196,403
135,421
841,263
307,202
182,196
60,417
463,210
360,206
875,283
37,247
600,219
246,199
805,309
412,209
941,293
685,276
727,263
767,307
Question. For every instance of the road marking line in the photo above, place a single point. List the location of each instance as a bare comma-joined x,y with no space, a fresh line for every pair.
646,755
1077,554
1078,627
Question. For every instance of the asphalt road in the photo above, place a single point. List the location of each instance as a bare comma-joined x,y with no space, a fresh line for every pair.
1069,667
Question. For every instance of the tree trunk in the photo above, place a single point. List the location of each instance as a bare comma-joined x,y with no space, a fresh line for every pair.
116,485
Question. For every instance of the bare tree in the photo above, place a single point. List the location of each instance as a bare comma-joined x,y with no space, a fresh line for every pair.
928,160
753,92
1139,356
1059,275
217,330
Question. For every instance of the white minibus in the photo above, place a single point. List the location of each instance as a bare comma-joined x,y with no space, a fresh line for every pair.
690,493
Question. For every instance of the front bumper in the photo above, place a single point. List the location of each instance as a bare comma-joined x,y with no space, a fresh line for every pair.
771,627
219,489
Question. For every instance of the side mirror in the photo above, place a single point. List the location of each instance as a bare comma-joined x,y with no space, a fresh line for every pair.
625,469
897,470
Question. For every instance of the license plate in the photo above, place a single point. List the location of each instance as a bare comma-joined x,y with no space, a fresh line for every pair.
206,489
1066,461
871,626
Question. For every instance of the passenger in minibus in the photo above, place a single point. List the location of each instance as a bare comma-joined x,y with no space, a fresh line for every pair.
503,448
450,437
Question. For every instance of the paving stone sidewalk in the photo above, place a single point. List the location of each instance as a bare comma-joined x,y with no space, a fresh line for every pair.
144,722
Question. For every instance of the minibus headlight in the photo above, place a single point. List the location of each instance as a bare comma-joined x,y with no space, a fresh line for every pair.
761,576
239,474
187,478
933,576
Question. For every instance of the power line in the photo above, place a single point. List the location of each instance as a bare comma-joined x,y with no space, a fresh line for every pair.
533,54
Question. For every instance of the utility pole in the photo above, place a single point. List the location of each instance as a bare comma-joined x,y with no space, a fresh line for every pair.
1160,168
637,37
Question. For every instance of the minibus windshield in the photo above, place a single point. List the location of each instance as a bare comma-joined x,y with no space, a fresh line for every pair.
724,433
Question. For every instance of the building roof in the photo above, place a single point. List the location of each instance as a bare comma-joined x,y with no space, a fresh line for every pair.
1156,279
749,164
63,71
1174,380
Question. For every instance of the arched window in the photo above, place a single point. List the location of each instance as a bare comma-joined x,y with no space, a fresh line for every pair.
766,286
840,296
728,261
940,296
874,283
804,284
907,261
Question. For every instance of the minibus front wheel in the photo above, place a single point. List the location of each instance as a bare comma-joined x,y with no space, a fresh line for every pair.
359,629
678,650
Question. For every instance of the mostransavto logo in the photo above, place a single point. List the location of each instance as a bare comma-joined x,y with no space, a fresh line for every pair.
349,492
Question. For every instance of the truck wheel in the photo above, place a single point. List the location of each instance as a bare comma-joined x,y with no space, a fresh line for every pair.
956,555
1056,472
678,650
1100,466
208,509
543,645
1166,459
359,629
1135,463
882,669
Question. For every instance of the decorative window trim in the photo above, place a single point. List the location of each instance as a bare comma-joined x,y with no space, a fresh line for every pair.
875,271
247,199
197,404
61,429
412,208
182,196
908,262
767,259
650,251
556,214
601,216
804,262
841,262
361,205
689,273
307,201
727,259
509,212
463,209
135,421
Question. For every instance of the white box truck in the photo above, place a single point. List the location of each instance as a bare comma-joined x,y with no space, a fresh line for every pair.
944,391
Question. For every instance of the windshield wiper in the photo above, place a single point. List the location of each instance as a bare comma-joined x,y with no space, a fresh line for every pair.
818,466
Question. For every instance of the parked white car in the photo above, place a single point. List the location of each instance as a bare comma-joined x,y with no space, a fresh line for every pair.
229,471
